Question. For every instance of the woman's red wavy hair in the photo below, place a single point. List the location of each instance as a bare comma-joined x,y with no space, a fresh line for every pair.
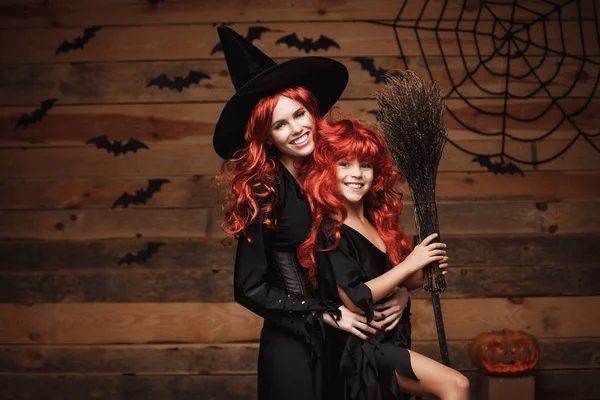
348,139
249,178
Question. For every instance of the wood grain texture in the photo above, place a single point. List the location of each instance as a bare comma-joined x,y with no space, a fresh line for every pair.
200,191
183,41
77,13
216,285
203,254
455,218
75,324
217,254
104,224
239,358
194,123
126,82
33,386
200,159
97,323
550,385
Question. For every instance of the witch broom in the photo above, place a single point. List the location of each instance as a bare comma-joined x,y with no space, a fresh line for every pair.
411,115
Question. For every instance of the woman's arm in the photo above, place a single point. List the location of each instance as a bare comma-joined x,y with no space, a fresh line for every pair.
296,314
251,288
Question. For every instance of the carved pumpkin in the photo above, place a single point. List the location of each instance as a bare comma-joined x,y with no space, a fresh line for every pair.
505,352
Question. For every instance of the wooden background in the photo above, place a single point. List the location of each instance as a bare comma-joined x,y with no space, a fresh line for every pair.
76,325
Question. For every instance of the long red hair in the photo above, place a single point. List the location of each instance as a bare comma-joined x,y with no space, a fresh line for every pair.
249,178
348,139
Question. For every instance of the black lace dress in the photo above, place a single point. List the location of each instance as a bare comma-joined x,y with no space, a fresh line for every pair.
367,369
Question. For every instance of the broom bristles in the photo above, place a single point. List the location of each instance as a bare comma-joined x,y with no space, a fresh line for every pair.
411,113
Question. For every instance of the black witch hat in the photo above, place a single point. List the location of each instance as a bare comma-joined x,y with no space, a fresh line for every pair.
255,75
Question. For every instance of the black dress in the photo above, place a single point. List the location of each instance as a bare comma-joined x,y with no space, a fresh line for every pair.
269,281
367,367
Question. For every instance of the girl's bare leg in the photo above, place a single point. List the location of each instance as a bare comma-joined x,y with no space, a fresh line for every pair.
435,379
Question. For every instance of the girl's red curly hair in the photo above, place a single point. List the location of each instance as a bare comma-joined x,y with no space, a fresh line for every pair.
249,178
348,139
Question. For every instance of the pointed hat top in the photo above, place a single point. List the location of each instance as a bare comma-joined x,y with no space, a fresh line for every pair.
255,75
244,60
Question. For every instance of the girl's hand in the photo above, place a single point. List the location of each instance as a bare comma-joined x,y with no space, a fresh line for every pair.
351,322
393,308
425,253
444,265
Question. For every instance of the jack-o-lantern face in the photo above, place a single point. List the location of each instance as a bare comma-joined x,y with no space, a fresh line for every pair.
505,352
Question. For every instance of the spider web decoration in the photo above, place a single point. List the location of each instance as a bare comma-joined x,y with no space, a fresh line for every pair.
530,47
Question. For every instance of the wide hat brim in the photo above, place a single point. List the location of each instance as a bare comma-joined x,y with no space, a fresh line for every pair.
324,77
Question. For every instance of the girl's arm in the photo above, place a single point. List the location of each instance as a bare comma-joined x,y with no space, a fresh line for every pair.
411,268
358,294
414,281
379,287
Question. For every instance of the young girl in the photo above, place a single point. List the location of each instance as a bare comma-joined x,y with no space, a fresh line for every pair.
358,255
265,132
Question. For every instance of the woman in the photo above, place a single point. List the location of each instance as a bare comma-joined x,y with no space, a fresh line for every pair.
353,243
265,133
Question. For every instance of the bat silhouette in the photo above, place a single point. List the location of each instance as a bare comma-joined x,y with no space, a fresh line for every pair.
79,41
179,82
498,167
153,2
117,147
141,195
308,44
36,115
143,255
368,64
254,33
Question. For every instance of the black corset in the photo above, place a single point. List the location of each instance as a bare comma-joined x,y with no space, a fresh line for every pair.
290,275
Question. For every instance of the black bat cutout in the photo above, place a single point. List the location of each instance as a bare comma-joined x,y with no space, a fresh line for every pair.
36,115
79,42
308,44
254,33
141,196
498,167
154,2
368,64
143,255
117,147
179,82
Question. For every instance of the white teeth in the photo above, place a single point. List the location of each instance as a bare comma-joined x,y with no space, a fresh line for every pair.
355,185
301,140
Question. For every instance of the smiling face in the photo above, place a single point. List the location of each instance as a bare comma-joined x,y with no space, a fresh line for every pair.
355,179
292,129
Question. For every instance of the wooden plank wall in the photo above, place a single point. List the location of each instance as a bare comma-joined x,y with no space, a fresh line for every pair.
77,322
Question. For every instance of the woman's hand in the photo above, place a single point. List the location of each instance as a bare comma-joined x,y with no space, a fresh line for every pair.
391,311
425,253
351,322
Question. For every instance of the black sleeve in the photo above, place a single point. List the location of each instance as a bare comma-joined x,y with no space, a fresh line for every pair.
345,269
251,289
